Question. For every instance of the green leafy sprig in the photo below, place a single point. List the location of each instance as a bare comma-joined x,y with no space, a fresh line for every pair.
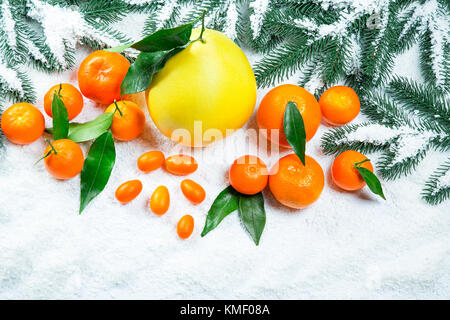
250,207
370,178
156,49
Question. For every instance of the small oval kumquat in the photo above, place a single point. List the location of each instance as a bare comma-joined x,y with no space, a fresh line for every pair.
181,164
128,191
150,161
193,191
160,200
185,226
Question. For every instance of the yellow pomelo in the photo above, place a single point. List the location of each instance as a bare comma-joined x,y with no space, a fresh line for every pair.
209,85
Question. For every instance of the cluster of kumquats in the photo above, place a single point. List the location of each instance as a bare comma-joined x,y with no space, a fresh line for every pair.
293,184
179,165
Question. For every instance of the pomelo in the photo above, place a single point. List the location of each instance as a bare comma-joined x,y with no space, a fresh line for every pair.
202,91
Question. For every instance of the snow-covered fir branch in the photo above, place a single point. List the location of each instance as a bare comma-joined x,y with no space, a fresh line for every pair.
403,132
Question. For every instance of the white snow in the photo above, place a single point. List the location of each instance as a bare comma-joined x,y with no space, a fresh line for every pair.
8,24
9,77
350,245
257,17
231,20
427,17
444,181
64,27
165,12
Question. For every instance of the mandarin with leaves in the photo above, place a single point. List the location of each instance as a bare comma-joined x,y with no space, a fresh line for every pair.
69,95
344,173
272,107
248,175
63,159
128,120
339,105
100,76
22,123
296,185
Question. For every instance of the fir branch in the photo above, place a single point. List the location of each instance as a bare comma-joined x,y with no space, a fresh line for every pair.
437,187
338,140
426,102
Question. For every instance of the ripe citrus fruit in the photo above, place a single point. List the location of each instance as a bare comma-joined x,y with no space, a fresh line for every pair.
72,98
193,191
129,190
339,105
22,123
128,121
295,185
100,76
210,82
150,161
248,175
181,164
343,172
271,111
185,226
160,200
66,159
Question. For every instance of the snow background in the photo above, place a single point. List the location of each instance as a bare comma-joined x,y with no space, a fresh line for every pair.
346,245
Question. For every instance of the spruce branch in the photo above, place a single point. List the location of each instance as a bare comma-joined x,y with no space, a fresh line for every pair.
437,187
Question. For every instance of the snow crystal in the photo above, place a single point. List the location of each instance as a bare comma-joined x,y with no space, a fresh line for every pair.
427,17
35,51
9,78
232,16
409,145
166,12
64,27
375,133
8,24
444,181
257,17
355,56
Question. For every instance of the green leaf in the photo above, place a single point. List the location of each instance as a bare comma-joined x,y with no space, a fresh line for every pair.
294,130
140,73
81,132
253,215
97,168
372,181
60,118
162,40
226,202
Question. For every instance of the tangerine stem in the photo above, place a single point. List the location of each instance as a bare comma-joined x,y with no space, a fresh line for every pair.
117,109
358,164
51,146
59,91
